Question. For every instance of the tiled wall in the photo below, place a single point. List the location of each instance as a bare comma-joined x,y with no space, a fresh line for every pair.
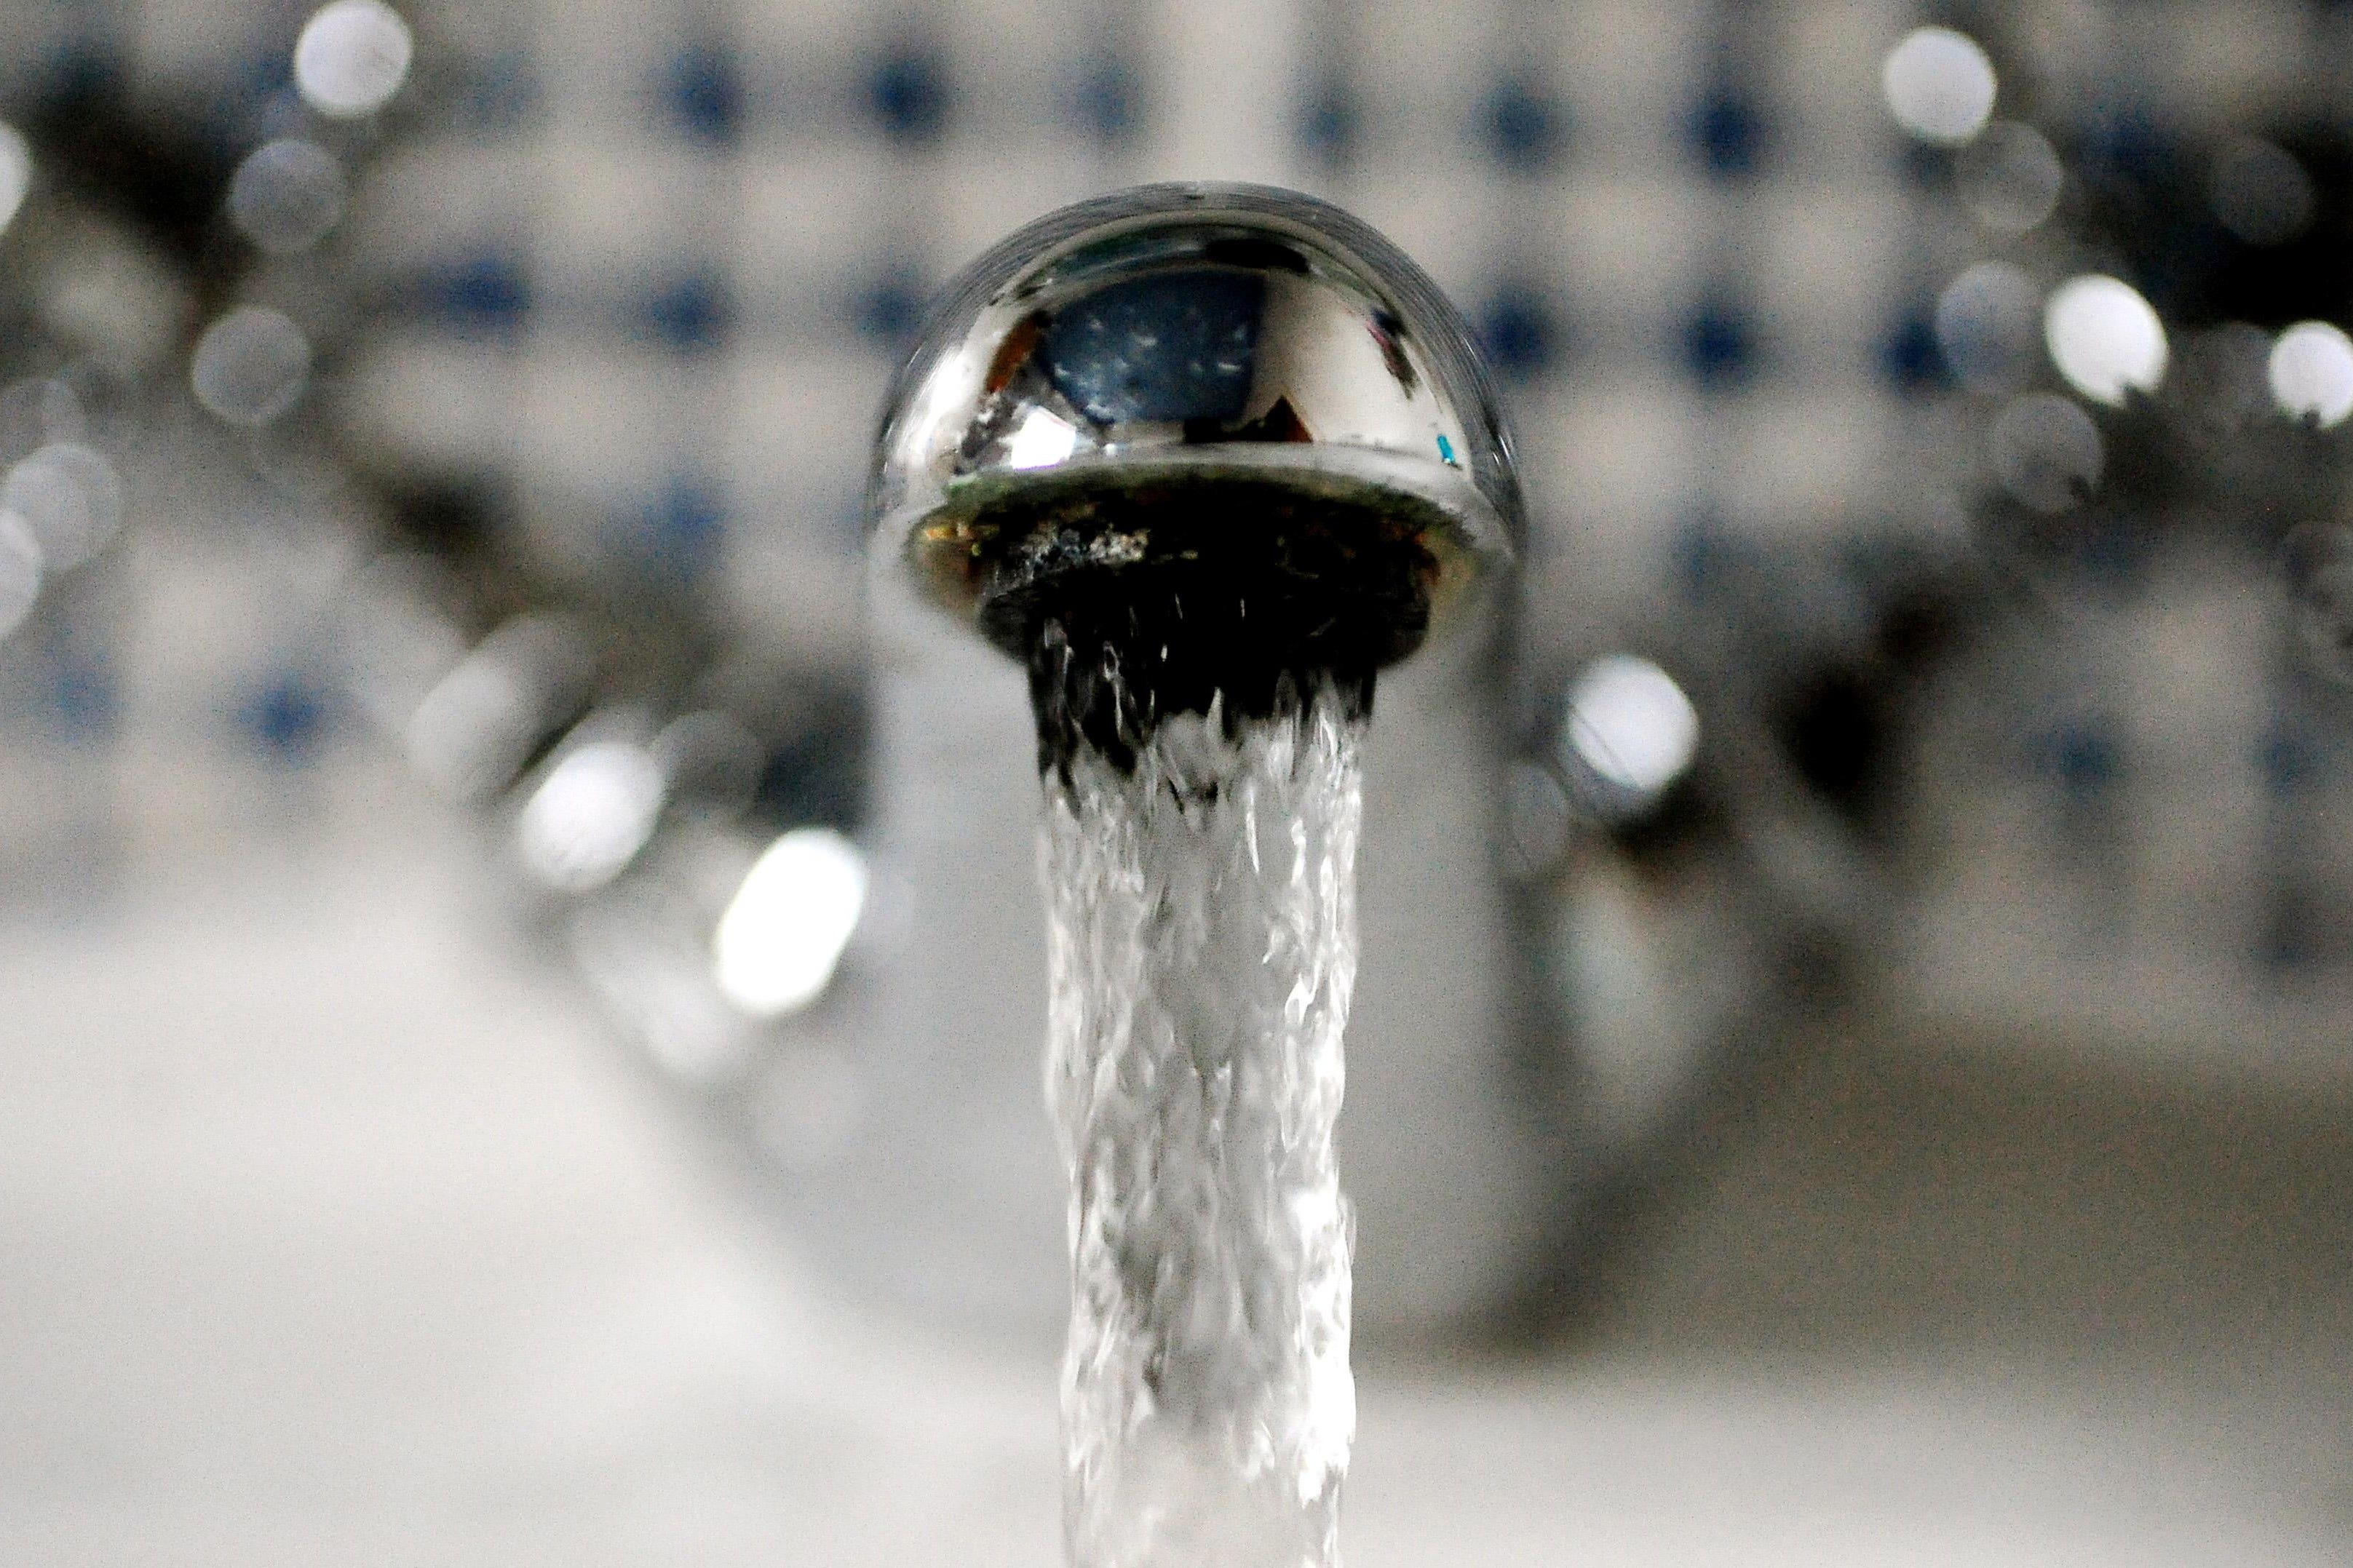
650,263
667,290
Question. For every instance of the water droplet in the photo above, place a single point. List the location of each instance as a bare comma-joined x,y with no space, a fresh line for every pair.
2010,177
1940,85
2047,452
2105,338
472,731
352,57
2311,373
287,195
251,365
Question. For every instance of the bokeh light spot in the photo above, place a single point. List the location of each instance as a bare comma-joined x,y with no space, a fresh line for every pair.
1630,725
2010,177
287,196
70,497
1985,326
2105,338
251,365
2046,452
783,934
20,572
16,172
1939,85
2311,373
2260,193
352,57
590,816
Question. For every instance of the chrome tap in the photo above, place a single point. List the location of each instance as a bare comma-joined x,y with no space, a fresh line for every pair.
1164,391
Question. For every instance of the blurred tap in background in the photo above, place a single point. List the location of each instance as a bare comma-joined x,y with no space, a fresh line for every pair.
1917,759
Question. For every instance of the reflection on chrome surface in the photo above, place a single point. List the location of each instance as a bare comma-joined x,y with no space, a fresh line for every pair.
1192,330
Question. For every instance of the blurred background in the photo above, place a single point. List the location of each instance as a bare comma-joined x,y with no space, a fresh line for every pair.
519,991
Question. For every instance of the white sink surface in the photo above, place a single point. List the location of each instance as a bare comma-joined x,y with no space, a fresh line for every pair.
336,1233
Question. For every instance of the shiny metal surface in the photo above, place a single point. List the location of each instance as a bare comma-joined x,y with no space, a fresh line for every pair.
959,1199
1184,332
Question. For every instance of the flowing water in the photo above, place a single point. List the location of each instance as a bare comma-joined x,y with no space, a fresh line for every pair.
1202,893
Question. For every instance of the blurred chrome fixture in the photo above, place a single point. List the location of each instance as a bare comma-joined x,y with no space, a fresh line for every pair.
1184,347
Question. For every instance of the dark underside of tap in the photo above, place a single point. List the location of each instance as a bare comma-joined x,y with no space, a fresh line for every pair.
1191,445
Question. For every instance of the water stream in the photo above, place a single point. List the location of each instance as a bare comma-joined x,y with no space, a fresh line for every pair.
1202,896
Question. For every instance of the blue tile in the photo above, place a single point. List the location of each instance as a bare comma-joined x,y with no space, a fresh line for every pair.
890,307
1519,330
1909,359
1107,102
691,313
261,77
1330,119
1524,125
1704,554
84,699
678,530
501,93
485,296
2287,760
909,91
2130,142
1727,132
286,717
2293,929
703,93
2083,755
1719,345
1925,168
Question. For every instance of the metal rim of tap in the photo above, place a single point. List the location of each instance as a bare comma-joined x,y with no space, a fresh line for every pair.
1209,331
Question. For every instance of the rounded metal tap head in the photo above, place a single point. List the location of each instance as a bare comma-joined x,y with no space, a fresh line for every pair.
1181,370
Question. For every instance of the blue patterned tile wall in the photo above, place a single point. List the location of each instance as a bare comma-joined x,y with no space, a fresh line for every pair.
649,264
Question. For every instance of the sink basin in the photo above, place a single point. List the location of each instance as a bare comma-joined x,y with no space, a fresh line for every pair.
340,1234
